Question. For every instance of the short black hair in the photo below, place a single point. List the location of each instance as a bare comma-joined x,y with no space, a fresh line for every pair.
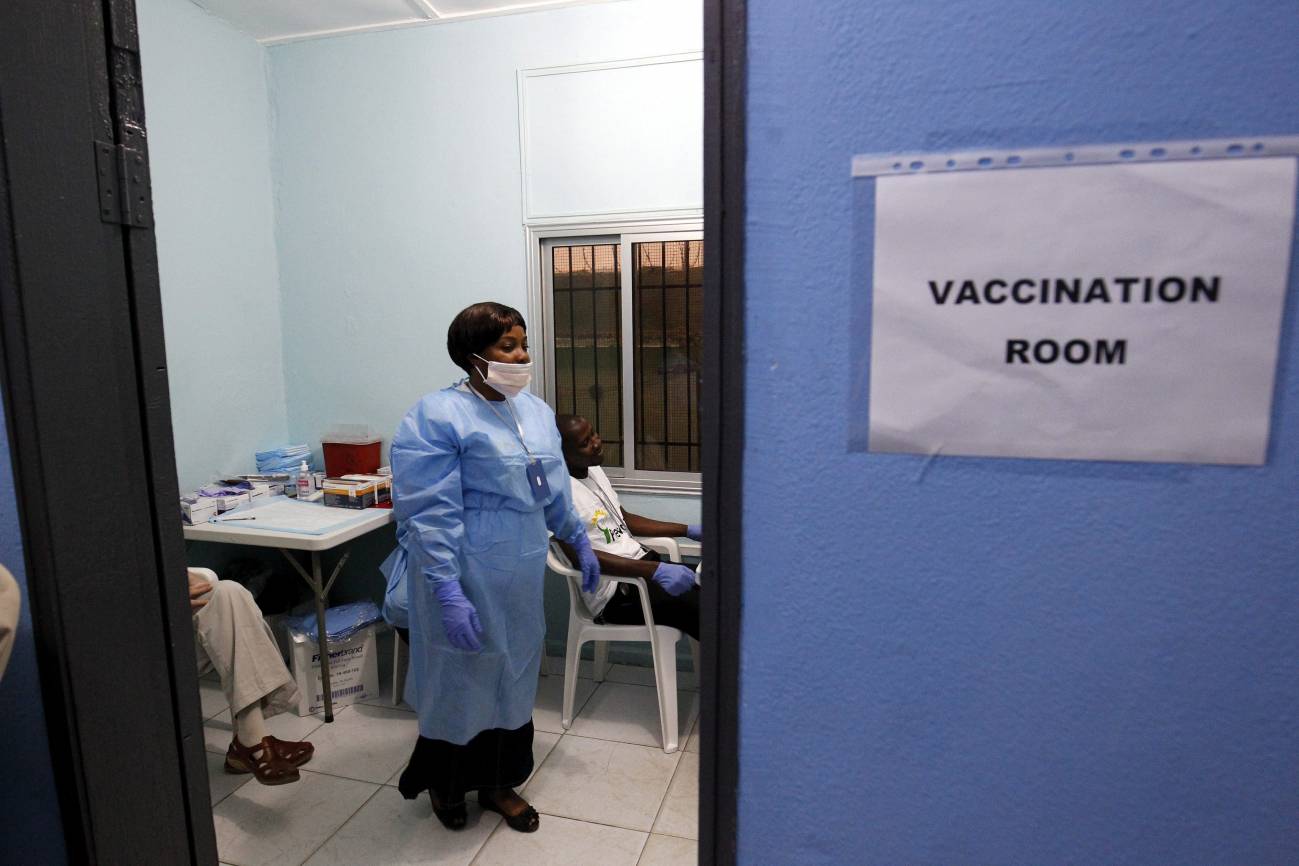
566,423
478,326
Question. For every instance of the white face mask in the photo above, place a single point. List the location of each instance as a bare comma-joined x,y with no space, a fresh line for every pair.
508,379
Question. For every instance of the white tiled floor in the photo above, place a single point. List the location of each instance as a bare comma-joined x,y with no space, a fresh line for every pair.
630,714
607,793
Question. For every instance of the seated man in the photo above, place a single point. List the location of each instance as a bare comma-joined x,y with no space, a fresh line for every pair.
673,593
232,637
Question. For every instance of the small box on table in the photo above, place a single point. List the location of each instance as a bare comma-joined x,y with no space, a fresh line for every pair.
228,503
199,509
343,493
382,487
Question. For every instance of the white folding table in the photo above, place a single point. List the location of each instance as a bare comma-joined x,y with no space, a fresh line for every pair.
234,533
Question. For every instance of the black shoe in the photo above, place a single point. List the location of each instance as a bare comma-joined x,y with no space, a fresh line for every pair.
452,817
526,821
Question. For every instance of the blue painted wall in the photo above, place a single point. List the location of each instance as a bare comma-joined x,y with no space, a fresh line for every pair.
208,114
31,827
999,661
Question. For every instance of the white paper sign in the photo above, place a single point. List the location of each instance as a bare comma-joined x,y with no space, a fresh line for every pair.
1110,312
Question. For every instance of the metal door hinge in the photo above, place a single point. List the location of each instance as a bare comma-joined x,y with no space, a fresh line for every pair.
125,196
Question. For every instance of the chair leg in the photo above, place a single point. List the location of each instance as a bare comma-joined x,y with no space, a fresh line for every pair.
601,660
665,683
396,668
572,656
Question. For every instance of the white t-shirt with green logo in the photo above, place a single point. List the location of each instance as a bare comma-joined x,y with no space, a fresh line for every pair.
597,505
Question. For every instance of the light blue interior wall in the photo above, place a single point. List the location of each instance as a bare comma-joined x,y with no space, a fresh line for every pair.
208,114
31,826
998,661
662,506
397,173
398,191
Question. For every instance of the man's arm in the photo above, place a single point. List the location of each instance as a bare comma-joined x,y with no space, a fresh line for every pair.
645,527
618,566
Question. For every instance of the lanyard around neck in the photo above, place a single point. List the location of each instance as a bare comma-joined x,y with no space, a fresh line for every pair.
615,513
518,427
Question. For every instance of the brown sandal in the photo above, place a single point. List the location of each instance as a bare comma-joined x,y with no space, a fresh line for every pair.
295,753
260,760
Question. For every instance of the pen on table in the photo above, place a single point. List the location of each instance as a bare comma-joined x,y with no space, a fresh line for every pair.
228,519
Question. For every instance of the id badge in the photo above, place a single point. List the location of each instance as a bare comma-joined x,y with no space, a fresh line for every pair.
537,481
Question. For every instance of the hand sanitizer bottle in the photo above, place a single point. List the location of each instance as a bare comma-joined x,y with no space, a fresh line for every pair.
304,481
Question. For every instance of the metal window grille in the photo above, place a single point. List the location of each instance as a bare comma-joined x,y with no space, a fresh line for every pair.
667,289
587,290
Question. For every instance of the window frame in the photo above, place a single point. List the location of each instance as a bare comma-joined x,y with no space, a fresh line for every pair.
624,233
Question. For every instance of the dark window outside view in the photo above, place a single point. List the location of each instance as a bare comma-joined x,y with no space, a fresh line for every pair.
667,290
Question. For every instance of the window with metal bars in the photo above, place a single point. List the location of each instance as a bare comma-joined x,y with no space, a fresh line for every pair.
667,288
626,340
587,282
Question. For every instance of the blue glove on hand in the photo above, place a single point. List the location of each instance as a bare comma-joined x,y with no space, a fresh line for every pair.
674,578
695,532
587,562
459,617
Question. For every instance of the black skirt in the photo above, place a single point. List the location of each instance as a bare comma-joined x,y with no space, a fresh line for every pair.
496,758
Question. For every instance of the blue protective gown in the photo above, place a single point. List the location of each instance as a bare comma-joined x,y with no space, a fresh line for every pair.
465,512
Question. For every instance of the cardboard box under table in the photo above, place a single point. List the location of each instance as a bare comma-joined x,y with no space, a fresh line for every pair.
353,670
283,524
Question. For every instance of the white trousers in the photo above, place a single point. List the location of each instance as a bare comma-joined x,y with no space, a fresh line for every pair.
232,637
10,605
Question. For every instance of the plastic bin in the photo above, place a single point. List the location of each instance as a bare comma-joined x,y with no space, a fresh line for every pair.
351,451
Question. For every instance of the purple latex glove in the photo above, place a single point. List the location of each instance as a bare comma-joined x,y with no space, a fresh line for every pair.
675,579
695,532
587,562
459,617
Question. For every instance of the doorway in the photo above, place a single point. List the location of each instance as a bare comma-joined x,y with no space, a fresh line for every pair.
91,277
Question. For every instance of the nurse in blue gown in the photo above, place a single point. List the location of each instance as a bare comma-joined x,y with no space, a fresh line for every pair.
478,481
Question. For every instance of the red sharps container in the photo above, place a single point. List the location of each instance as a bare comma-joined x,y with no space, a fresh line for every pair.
351,450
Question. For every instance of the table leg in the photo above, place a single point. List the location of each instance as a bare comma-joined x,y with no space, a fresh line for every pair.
318,586
320,589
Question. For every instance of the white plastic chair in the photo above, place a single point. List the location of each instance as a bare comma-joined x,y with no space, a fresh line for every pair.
662,639
398,668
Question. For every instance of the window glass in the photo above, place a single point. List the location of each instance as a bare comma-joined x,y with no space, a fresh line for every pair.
587,286
667,291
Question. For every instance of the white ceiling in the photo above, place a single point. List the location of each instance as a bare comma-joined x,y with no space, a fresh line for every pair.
272,21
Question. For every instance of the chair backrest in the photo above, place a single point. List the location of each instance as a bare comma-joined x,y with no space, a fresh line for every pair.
558,562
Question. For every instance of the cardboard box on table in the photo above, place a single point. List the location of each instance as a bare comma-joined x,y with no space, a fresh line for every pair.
200,509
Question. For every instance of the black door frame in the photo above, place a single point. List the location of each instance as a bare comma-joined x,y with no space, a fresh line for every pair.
725,42
86,398
88,417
